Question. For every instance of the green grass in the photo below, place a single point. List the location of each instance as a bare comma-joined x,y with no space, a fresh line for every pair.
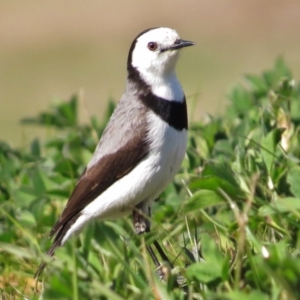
229,222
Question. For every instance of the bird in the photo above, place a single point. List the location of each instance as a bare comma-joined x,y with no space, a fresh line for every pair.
142,146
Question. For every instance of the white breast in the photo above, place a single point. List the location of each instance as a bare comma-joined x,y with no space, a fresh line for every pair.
168,148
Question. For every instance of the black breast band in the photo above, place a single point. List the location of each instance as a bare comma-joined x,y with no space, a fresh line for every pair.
172,112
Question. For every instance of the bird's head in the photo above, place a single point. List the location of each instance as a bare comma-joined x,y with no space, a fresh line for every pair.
155,51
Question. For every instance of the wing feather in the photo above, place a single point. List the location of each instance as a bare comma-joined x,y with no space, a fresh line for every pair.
121,148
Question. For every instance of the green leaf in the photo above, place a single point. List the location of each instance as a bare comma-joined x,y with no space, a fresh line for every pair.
214,183
258,84
204,272
252,295
202,199
282,205
27,219
210,250
268,147
211,268
222,170
293,179
17,251
241,100
38,182
62,115
36,148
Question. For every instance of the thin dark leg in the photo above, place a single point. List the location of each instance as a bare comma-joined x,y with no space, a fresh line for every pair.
142,225
153,256
162,253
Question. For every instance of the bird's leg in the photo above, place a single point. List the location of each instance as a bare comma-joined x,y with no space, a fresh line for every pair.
162,253
140,222
142,225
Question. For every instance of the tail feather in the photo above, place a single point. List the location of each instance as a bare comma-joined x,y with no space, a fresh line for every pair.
57,242
50,253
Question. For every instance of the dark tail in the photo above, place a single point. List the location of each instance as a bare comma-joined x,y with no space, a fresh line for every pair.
57,242
50,253
59,231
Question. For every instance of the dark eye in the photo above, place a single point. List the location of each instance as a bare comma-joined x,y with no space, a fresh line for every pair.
152,46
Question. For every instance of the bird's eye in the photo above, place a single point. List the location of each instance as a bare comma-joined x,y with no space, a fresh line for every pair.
152,46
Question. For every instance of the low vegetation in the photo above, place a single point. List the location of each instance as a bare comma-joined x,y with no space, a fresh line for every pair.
229,222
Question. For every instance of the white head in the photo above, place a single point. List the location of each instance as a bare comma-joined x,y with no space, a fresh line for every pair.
155,51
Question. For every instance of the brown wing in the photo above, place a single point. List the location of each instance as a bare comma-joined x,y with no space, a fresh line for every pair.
100,176
122,146
93,182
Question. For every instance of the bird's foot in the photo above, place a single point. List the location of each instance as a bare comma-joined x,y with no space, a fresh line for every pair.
141,225
140,222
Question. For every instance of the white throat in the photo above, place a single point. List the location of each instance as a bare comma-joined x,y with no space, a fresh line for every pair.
167,87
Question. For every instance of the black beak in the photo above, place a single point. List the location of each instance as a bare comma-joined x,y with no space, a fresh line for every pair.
177,45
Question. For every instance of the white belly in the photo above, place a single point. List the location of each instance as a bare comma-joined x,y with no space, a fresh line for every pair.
146,181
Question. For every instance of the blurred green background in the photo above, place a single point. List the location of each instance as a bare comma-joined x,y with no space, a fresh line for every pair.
52,49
